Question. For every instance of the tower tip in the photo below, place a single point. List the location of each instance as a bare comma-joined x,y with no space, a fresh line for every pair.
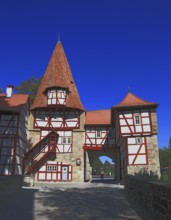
59,38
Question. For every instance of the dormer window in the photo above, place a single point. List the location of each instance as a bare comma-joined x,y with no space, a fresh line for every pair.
57,96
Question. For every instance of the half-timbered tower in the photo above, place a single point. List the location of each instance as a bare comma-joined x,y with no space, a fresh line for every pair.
56,125
136,135
13,132
99,138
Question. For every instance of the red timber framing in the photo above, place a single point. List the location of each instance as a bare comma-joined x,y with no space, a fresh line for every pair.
99,137
56,97
37,154
13,142
64,142
137,152
54,172
129,125
61,120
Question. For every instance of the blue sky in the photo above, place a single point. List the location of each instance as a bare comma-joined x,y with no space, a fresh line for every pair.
110,45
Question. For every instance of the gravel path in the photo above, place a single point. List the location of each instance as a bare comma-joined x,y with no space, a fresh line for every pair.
86,201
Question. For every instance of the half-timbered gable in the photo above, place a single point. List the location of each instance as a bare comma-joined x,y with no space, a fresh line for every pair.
102,136
57,97
135,122
13,132
99,132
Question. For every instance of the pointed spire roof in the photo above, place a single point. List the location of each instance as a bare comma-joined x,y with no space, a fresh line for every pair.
133,101
58,75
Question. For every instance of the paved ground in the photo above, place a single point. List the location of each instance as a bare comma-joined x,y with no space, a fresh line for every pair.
87,201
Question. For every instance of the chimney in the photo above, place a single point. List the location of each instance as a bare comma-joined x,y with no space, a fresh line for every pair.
9,91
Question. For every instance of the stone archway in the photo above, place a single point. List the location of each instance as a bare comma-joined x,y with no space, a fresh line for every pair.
92,155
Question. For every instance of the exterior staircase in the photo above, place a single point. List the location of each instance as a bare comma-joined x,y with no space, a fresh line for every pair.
36,155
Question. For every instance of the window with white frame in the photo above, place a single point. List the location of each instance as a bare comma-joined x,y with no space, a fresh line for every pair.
54,168
48,167
66,140
98,133
59,94
138,140
137,119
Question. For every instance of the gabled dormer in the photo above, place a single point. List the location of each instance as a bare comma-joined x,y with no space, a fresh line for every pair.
57,96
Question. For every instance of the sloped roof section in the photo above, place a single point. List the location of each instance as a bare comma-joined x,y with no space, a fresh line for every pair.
58,74
98,117
131,101
15,103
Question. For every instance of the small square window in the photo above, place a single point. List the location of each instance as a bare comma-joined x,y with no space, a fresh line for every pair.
66,140
49,168
54,168
63,140
69,140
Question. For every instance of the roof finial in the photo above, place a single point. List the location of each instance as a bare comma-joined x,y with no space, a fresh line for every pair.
59,37
129,89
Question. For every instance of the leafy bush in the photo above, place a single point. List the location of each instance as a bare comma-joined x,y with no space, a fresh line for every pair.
144,172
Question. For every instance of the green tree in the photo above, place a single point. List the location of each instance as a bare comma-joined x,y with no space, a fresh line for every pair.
108,168
0,90
97,167
165,163
29,87
170,142
165,155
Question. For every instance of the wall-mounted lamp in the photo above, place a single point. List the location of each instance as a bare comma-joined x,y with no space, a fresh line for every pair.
78,162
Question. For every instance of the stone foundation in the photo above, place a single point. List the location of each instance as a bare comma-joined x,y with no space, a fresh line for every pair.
154,196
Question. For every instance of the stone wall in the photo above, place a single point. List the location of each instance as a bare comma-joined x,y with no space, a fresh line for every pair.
154,196
10,185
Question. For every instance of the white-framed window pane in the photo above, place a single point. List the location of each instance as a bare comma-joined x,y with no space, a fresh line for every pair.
98,133
49,168
138,140
69,140
64,140
137,119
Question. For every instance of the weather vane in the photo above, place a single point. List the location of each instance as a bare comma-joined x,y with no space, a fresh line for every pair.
59,37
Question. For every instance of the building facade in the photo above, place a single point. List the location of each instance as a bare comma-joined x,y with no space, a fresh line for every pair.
14,111
64,140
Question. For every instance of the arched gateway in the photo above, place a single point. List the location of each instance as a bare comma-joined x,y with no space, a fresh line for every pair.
64,138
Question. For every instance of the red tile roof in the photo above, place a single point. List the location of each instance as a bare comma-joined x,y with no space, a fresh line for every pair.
98,117
131,101
58,74
14,103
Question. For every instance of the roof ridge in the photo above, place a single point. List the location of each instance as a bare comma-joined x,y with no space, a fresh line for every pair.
132,100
